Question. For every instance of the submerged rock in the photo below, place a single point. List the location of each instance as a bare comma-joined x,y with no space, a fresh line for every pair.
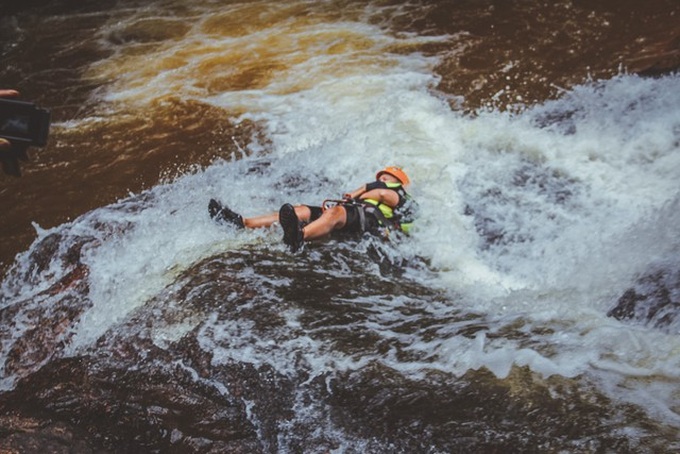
654,300
258,351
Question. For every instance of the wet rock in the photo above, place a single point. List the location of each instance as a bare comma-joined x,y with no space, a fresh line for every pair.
150,407
28,340
443,413
653,300
659,57
215,363
21,434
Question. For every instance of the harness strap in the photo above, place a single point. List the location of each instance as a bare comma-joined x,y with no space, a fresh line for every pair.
362,219
363,209
380,217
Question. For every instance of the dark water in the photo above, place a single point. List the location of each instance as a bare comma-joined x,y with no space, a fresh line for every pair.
534,309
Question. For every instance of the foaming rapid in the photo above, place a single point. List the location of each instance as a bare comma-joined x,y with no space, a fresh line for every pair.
593,171
318,89
536,222
563,207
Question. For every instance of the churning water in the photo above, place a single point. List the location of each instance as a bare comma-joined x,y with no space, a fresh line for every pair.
534,223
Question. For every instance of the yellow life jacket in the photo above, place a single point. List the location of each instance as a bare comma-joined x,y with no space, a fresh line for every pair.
400,221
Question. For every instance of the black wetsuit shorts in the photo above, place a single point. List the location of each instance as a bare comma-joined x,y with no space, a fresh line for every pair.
316,212
353,222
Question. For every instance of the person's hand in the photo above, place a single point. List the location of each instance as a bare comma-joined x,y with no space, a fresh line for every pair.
5,93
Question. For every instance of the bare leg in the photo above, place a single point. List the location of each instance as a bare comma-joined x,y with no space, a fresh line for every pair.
261,221
302,211
331,219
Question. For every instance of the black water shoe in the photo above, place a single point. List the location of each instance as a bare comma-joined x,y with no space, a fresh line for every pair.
293,236
222,213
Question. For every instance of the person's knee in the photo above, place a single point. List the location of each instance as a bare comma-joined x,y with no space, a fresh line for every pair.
336,215
303,212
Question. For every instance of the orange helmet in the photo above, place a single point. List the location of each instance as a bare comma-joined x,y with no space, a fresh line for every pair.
397,173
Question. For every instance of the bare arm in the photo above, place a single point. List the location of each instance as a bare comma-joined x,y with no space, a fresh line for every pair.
356,193
5,93
386,196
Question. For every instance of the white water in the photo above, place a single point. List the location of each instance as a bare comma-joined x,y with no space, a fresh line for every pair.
334,118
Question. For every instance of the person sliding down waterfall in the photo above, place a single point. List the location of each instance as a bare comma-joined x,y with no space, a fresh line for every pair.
379,207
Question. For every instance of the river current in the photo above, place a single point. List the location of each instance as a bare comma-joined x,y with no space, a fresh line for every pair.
534,307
